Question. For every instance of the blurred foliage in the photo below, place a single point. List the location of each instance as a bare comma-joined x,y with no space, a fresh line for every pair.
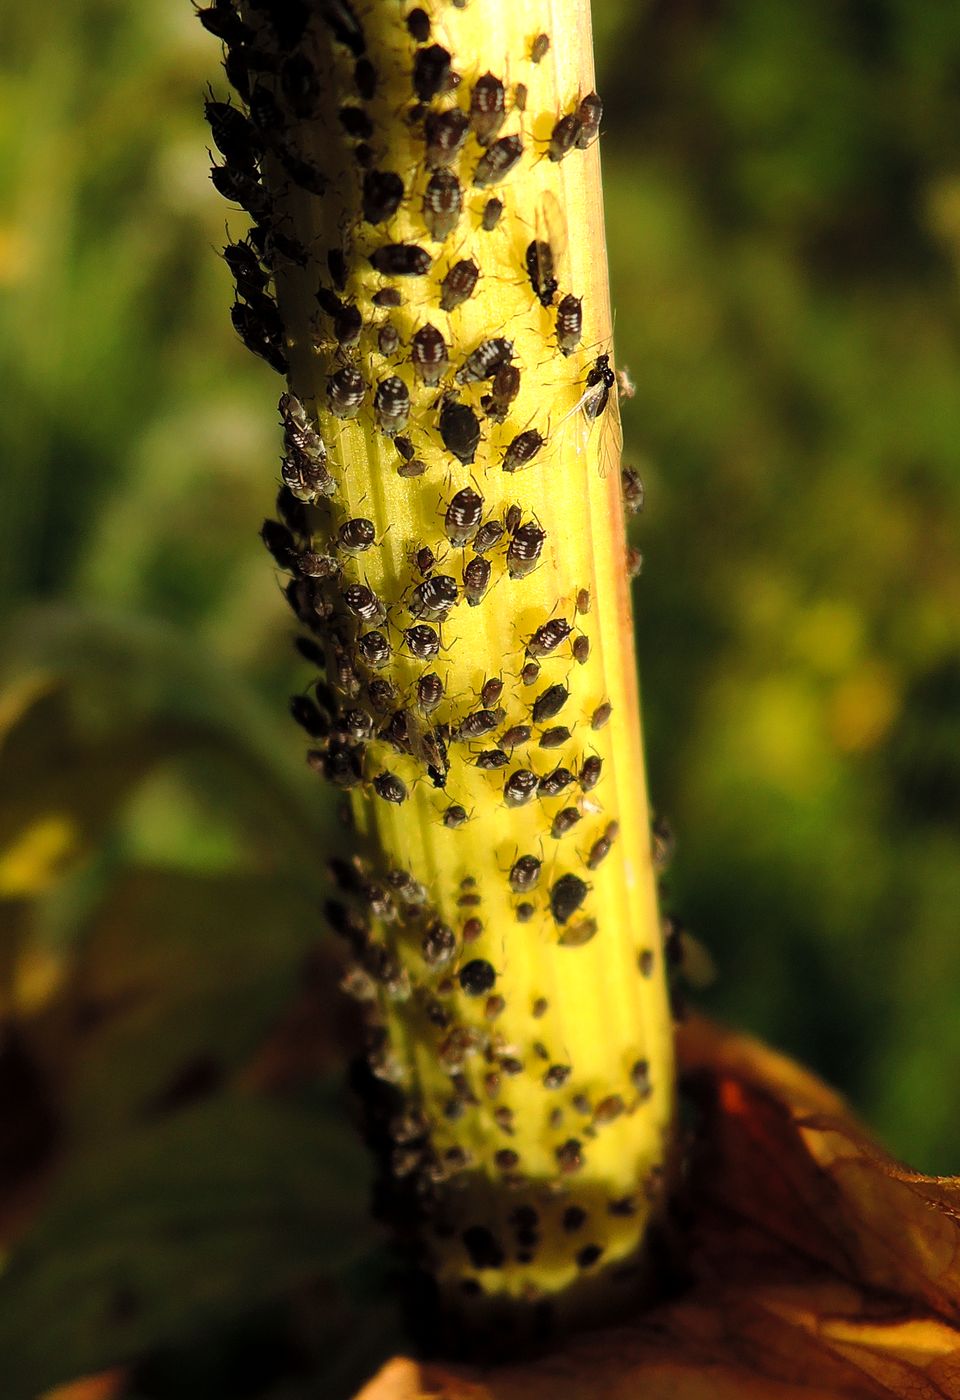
783,190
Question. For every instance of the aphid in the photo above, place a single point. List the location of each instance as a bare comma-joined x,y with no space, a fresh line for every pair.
269,242
345,392
599,382
390,787
382,694
442,204
555,737
491,759
476,977
461,520
487,536
434,597
548,637
418,25
356,535
347,325
583,601
387,297
310,651
569,323
589,114
556,1076
563,137
459,428
222,21
362,602
555,782
302,172
519,788
414,467
444,133
590,770
328,301
396,732
439,943
431,72
423,641
539,262
503,391
337,267
476,580
454,817
569,1156
305,713
279,542
401,260
313,565
234,136
388,339
429,689
520,97
256,337
391,405
497,161
516,735
581,650
429,355
539,48
355,122
602,846
524,874
491,214
424,559
342,764
478,724
632,489
633,563
530,672
306,479
374,649
245,266
485,360
382,195
365,77
458,284
265,113
566,897
524,549
488,107
601,715
564,822
300,84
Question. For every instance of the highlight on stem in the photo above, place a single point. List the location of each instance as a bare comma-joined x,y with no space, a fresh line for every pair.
425,265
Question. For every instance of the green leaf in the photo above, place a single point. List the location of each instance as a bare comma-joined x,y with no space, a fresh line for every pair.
176,1226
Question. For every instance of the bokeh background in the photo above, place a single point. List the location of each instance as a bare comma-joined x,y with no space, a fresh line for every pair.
783,209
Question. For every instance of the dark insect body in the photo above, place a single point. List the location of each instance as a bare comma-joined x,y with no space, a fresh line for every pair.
547,638
484,362
601,715
280,543
569,323
524,549
497,161
590,771
454,817
520,788
632,490
241,188
388,339
382,195
300,85
365,77
581,650
488,107
374,649
600,380
566,897
516,735
442,204
444,134
259,338
362,602
245,266
391,405
355,122
347,325
555,737
589,114
431,72
478,724
340,18
520,95
434,597
345,392
423,641
356,535
429,355
476,580
540,269
492,759
554,783
491,692
524,874
429,691
477,977
522,450
487,536
458,284
491,214
602,846
503,391
539,48
401,260
387,297
563,137
459,429
234,136
564,822
418,25
390,788
461,520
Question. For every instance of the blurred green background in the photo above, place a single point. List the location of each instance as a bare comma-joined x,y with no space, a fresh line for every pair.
783,207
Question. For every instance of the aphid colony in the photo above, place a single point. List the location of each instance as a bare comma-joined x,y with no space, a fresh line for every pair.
381,719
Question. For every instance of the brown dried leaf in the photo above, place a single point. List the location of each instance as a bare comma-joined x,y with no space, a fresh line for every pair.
817,1266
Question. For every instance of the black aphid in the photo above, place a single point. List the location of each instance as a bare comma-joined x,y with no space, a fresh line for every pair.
476,978
345,392
459,428
491,214
388,339
524,874
549,703
382,195
601,715
442,204
590,771
241,188
589,114
365,77
390,787
554,783
554,737
520,788
362,602
387,297
355,122
401,260
503,391
234,135
548,637
516,735
423,641
356,535
485,360
487,536
632,489
540,269
444,133
434,597
300,85
497,161
461,520
429,354
566,897
569,323
524,549
454,817
340,18
599,382
374,649
539,48
476,580
563,137
418,25
391,405
458,284
564,822
522,450
431,72
488,107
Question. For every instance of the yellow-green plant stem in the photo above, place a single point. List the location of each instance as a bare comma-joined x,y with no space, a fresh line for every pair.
537,1111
